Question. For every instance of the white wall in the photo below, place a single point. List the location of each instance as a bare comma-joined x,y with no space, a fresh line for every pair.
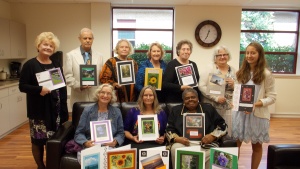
66,20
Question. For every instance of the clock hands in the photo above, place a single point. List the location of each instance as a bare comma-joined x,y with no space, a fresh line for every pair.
207,34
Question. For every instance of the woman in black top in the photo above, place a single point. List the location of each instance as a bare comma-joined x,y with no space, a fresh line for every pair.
170,84
46,109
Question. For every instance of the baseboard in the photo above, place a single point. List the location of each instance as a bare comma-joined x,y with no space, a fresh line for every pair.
286,115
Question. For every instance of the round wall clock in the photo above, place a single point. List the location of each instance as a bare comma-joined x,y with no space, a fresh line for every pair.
208,33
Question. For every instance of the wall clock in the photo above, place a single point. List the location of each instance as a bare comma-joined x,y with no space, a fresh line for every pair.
208,33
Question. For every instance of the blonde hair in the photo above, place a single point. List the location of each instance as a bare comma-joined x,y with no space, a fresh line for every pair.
49,36
118,46
160,48
99,89
155,106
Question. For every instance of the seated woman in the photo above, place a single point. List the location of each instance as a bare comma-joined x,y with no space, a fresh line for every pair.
101,110
215,125
147,105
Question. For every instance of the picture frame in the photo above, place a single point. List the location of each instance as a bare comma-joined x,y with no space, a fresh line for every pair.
52,79
194,126
88,75
122,159
216,85
101,131
125,72
148,127
186,75
189,157
153,77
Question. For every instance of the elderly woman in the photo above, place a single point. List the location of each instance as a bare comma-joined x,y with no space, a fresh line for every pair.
108,74
215,125
147,105
155,54
46,109
220,66
101,110
170,84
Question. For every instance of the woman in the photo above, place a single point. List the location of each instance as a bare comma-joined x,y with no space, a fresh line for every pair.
155,54
46,109
108,74
147,105
170,84
215,125
221,67
254,126
101,110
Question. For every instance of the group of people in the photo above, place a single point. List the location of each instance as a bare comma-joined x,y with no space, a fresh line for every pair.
47,110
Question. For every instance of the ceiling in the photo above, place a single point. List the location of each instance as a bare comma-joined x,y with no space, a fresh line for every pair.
284,4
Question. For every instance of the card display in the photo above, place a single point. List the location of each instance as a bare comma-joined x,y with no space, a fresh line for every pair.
52,79
194,126
186,75
88,75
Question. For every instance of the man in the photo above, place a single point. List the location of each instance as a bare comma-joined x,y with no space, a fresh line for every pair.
83,55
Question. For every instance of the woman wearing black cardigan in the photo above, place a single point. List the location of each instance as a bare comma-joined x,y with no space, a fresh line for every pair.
46,109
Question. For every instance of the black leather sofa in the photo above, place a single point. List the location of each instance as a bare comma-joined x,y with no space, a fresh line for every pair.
283,156
56,158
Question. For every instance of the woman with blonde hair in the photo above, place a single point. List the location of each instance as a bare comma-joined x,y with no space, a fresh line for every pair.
46,109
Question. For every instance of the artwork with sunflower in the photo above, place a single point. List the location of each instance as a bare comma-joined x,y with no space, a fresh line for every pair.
153,77
122,159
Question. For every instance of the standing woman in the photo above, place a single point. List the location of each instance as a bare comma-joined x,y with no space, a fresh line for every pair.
46,109
170,84
155,54
220,66
108,74
254,126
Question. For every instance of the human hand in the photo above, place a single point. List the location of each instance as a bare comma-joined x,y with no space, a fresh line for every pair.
221,99
89,143
183,87
136,139
160,140
207,139
230,82
117,85
45,91
111,144
84,87
182,140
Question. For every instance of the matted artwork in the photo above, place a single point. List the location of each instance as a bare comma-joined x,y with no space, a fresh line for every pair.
243,97
189,157
52,79
186,75
216,85
153,77
101,131
224,158
125,72
88,75
194,126
122,159
148,127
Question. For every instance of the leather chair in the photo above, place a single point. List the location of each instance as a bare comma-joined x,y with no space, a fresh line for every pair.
57,158
283,156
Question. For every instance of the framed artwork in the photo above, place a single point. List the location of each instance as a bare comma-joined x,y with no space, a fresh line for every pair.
88,75
157,157
52,79
148,127
189,157
125,72
224,158
216,85
186,75
194,126
94,157
153,77
243,97
122,159
101,131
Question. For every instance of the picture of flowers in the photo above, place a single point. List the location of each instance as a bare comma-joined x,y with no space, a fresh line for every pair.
153,77
122,159
223,159
189,158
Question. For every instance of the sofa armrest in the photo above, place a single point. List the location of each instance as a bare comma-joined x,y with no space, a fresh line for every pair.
227,141
283,155
55,145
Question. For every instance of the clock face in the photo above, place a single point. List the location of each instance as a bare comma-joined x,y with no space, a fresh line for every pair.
208,33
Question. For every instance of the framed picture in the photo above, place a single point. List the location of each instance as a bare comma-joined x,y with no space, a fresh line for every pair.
189,157
52,79
125,72
148,127
101,131
153,77
186,75
224,158
122,159
194,126
216,85
88,75
243,97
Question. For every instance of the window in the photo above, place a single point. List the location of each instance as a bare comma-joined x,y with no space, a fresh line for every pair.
278,32
143,26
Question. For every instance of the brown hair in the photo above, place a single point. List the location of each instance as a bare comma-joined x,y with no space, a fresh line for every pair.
183,42
243,74
155,105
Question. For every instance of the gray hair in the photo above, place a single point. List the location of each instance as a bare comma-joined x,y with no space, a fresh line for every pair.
189,90
118,46
85,30
216,51
99,89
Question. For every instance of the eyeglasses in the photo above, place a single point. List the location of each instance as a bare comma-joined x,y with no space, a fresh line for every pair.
219,55
105,93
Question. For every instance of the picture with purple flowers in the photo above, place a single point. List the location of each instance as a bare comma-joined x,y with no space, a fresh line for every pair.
223,160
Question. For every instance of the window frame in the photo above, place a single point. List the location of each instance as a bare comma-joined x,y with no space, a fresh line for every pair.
296,32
